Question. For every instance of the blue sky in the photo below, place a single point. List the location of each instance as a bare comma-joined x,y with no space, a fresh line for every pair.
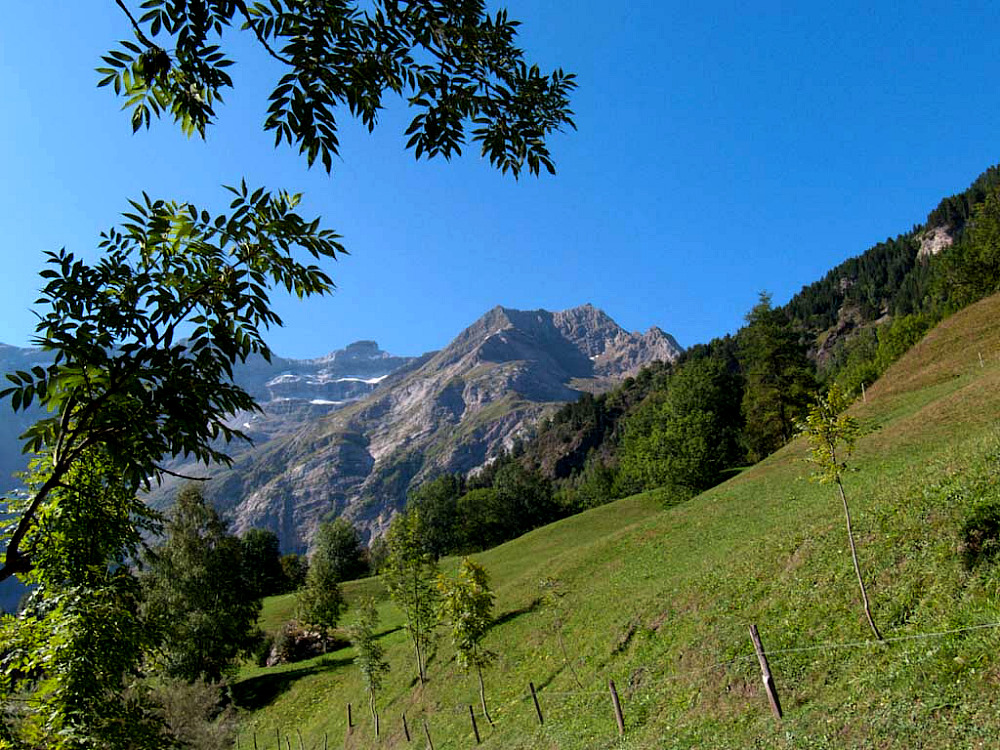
721,151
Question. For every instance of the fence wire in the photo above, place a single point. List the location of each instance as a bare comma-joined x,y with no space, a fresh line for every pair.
550,710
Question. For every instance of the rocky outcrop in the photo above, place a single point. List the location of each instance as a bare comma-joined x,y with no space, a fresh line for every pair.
933,241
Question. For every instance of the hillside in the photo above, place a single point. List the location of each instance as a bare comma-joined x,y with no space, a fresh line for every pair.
660,600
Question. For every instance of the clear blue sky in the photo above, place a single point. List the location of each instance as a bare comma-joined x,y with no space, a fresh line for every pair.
721,150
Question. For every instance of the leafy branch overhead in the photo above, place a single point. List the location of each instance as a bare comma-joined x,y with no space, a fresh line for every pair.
453,62
145,338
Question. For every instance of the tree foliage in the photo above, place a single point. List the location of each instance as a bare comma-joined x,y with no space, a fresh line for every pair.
437,503
972,266
778,378
198,592
453,62
337,545
687,434
320,601
144,339
370,656
261,551
410,574
467,606
74,652
294,569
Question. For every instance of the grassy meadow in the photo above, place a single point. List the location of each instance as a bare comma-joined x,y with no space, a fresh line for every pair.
659,599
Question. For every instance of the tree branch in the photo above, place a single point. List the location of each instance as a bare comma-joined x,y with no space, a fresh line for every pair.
260,37
135,24
168,472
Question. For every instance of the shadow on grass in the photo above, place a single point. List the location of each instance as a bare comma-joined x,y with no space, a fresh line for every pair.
389,632
256,692
515,613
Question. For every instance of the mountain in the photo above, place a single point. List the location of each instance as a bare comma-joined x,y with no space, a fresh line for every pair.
289,391
451,411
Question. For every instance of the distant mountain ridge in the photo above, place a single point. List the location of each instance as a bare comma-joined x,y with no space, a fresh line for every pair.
452,410
288,390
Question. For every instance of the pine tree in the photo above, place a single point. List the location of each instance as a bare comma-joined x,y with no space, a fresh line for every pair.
778,378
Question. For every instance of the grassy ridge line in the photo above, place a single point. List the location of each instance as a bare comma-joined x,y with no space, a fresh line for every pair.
656,599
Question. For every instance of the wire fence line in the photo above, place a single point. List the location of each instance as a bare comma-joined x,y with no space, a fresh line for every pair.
869,643
501,708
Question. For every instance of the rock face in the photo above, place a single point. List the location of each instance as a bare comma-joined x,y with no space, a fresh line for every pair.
452,410
933,241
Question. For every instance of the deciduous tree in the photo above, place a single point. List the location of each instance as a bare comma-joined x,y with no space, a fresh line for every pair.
410,574
197,591
72,655
450,60
370,656
262,562
467,605
144,339
832,433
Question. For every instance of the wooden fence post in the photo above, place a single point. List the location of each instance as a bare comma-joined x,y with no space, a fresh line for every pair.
765,672
350,720
255,739
618,708
475,729
427,733
534,697
277,734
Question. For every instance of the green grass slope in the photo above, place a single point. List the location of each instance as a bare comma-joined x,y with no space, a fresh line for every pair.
660,601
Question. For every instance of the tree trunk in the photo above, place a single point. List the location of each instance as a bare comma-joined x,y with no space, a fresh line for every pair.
371,705
420,659
482,694
857,567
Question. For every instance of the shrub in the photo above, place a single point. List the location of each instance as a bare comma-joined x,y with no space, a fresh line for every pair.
981,534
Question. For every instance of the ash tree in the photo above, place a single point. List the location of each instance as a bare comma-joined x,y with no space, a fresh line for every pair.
410,574
454,63
70,659
370,656
832,433
467,606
